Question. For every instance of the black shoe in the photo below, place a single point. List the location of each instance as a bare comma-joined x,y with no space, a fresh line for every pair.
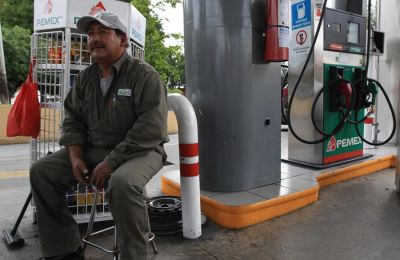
78,254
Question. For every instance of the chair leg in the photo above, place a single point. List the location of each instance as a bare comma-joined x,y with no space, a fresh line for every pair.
91,218
89,232
153,242
116,251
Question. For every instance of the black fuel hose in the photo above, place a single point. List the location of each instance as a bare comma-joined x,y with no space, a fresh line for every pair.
366,63
283,84
346,115
358,104
326,137
364,81
391,111
368,39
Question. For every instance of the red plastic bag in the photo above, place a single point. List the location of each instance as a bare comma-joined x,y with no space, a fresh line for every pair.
24,116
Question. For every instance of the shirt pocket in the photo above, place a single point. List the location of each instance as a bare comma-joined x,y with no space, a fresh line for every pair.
122,113
88,111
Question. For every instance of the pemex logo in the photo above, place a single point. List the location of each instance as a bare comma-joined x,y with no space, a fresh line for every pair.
48,8
331,145
99,7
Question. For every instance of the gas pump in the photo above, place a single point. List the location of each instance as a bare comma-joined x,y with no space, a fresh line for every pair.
328,75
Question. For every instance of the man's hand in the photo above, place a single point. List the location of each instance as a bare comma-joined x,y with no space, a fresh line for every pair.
78,165
101,174
80,170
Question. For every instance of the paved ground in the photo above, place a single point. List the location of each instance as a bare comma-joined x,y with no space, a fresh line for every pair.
14,157
357,219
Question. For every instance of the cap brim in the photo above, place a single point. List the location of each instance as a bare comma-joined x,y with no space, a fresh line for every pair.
85,21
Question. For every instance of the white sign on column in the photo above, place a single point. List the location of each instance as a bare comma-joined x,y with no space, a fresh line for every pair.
301,32
79,8
49,14
137,26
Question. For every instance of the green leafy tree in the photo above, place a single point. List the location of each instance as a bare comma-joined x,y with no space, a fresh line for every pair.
176,61
16,19
16,42
168,61
17,13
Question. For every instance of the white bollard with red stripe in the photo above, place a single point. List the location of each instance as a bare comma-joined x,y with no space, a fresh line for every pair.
189,164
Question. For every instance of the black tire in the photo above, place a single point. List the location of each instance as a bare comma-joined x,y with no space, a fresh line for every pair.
165,215
164,204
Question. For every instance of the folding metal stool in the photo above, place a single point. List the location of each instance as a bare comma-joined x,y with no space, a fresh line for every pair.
114,251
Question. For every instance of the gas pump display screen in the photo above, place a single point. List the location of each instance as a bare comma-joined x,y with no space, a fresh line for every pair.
344,31
353,34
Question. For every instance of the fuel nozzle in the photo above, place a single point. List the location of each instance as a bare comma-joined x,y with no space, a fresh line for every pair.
370,92
345,91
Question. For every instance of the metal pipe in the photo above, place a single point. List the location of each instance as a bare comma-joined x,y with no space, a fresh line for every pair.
189,165
3,75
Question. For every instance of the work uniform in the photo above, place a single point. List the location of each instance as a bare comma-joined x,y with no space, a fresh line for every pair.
127,128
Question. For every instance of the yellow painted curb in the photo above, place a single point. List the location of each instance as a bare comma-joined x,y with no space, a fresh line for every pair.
355,170
245,215
13,174
394,160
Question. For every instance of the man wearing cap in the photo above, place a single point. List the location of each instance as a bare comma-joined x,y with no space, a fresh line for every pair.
114,130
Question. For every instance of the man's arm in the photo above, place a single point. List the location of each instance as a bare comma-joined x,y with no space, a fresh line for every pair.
74,129
74,132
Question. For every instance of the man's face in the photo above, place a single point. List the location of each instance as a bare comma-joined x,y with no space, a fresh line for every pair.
104,44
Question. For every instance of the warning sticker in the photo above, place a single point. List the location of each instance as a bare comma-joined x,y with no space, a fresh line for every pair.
301,32
301,37
283,37
301,40
301,14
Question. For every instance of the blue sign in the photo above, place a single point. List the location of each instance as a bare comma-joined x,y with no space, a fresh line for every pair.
301,14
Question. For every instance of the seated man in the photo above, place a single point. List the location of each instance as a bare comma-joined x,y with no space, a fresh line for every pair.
114,128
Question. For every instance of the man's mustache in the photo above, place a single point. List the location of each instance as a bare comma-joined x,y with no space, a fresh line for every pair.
95,46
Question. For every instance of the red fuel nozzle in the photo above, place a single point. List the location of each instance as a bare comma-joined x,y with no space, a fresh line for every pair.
345,91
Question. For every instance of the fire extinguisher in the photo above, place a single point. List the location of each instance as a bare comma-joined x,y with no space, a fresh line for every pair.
277,31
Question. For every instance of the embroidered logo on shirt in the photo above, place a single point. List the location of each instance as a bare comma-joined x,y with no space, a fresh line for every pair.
126,92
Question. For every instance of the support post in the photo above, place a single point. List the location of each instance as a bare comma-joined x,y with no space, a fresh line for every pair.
189,165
